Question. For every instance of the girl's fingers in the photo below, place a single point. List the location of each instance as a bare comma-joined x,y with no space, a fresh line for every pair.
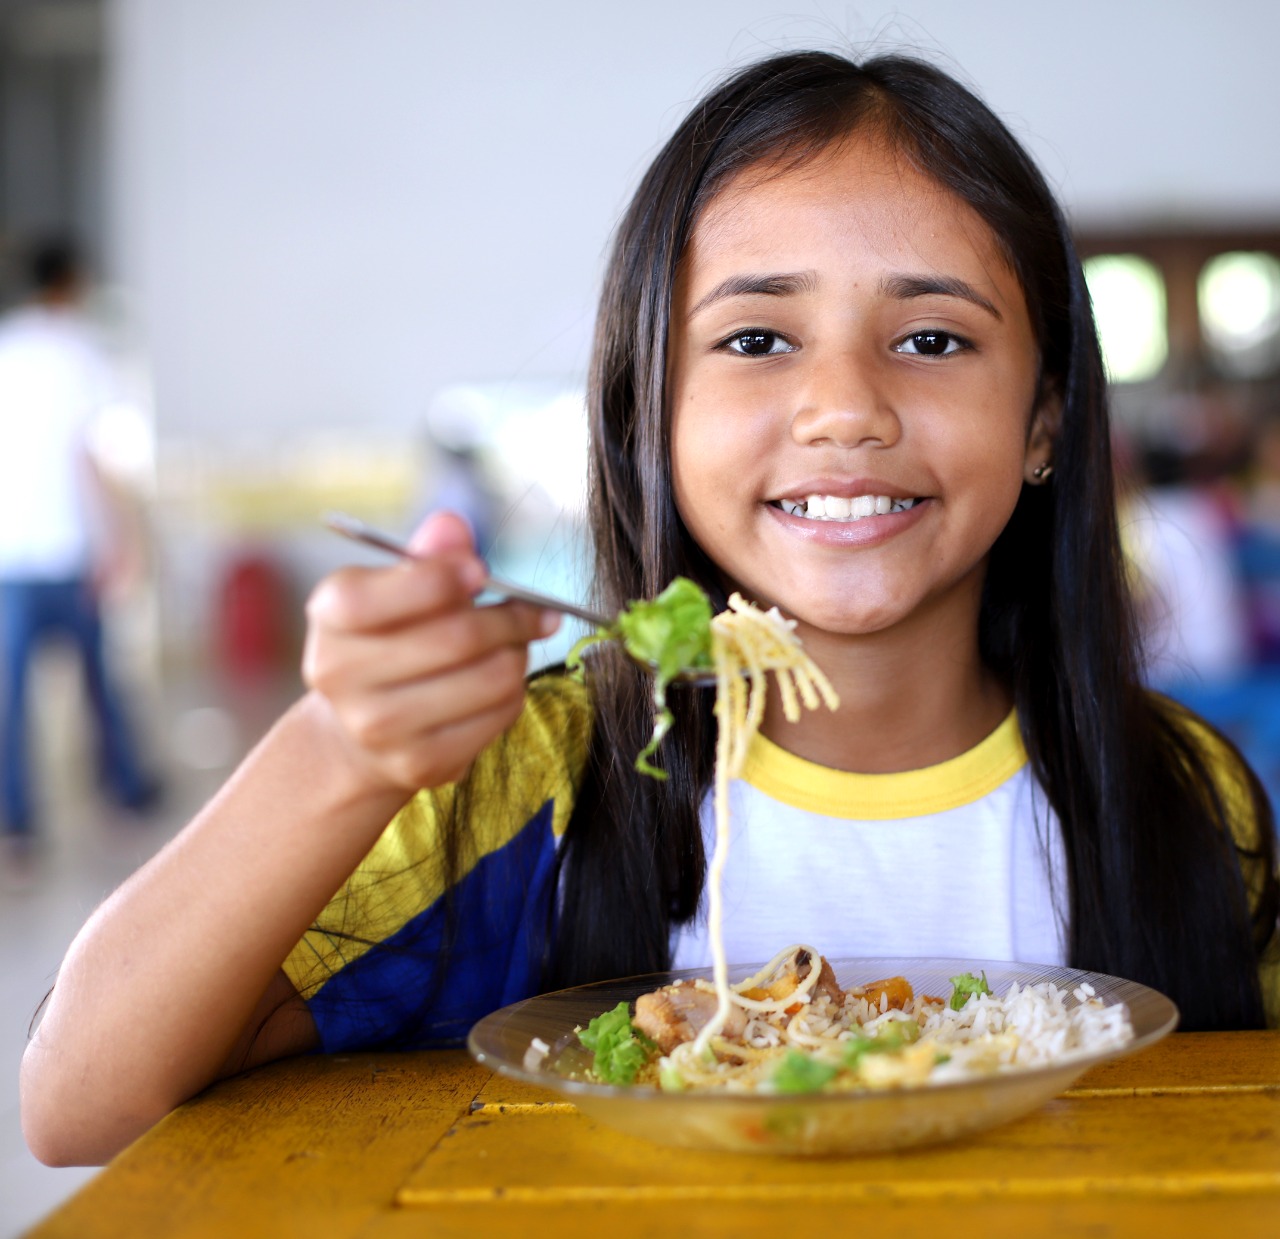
445,754
418,733
377,599
417,651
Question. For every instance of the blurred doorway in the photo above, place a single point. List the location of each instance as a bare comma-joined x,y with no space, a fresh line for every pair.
51,127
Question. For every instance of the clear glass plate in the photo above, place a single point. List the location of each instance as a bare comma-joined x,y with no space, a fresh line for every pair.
811,1124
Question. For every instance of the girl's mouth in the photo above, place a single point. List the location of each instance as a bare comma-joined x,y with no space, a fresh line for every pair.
841,507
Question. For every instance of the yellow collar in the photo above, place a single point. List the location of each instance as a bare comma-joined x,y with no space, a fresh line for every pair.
912,793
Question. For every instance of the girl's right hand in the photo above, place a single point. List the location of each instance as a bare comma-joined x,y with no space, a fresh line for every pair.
416,678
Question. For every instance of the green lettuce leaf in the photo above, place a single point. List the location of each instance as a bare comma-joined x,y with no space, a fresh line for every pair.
620,1049
671,632
964,986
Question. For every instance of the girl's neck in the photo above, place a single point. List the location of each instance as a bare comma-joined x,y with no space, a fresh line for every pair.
908,699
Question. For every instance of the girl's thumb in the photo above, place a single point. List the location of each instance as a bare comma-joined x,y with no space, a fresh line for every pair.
441,532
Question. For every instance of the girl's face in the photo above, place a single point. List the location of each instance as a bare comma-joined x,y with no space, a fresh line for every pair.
846,337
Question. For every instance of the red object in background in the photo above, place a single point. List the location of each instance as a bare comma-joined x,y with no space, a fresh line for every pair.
252,630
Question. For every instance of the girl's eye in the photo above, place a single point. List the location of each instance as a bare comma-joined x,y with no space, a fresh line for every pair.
930,344
757,343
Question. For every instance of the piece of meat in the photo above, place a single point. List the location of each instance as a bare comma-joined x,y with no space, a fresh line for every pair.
678,1013
827,984
794,969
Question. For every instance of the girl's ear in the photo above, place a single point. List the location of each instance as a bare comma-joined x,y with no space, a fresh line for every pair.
1037,463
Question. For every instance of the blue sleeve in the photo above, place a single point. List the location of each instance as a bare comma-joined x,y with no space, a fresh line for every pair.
471,951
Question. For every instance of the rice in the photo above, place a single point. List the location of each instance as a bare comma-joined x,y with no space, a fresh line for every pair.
1029,1026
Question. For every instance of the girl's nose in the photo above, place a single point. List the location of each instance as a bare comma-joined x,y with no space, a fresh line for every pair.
843,404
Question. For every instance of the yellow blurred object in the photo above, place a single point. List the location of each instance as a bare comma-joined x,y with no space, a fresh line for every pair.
262,491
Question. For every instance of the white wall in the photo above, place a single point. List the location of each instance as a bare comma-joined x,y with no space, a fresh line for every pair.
330,209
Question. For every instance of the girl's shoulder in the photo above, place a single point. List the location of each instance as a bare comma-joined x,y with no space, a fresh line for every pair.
539,759
558,703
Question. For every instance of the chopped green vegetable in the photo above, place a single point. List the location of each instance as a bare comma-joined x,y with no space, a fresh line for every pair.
966,985
672,633
620,1050
887,1039
802,1073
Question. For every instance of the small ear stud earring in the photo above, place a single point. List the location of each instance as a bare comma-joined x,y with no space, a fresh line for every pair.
1042,471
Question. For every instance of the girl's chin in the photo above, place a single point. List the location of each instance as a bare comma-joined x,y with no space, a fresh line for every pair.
818,619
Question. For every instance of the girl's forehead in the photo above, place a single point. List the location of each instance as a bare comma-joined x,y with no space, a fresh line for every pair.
858,198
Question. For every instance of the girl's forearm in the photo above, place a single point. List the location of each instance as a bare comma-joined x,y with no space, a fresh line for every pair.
161,982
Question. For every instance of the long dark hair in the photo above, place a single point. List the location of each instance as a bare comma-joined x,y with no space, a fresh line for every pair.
1155,890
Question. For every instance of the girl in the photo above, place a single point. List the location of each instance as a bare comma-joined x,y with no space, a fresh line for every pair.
845,364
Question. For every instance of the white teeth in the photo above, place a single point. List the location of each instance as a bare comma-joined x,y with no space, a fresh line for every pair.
842,508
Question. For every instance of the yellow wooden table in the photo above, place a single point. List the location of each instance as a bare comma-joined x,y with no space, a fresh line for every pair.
1181,1140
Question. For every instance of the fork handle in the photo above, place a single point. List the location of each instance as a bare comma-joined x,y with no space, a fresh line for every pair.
507,589
357,530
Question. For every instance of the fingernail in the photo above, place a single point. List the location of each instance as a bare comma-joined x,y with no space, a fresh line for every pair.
549,623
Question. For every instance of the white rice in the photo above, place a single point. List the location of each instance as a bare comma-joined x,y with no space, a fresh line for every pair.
1028,1026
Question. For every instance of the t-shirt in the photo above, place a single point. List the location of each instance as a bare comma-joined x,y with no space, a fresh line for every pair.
959,860
54,380
962,860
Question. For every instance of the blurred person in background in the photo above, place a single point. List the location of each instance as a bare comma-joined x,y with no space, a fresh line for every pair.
61,543
1205,563
1180,522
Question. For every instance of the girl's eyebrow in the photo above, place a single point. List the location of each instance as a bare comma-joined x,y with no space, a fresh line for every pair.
906,286
780,284
901,287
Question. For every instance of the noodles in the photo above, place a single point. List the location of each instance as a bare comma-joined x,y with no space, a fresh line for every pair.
747,643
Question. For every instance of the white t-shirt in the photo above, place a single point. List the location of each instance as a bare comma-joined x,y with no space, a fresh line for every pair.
959,860
53,382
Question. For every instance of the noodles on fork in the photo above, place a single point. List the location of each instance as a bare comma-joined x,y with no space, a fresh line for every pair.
746,644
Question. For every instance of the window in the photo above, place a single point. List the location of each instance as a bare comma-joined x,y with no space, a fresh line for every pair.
1239,298
1128,296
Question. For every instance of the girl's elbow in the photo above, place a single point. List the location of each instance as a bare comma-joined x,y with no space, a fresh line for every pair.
48,1144
63,1123
60,1139
51,1133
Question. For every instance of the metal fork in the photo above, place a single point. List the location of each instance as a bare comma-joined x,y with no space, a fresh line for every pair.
358,531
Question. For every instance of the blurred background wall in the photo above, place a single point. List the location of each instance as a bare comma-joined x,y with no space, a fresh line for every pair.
349,254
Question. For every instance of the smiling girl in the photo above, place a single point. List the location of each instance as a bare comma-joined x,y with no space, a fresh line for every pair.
846,365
